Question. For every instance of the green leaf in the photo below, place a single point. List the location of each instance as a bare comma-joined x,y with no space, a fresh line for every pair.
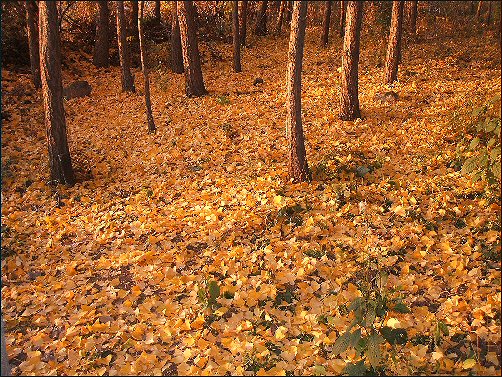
355,369
214,290
474,143
355,337
394,336
496,170
490,125
319,370
494,153
401,308
342,343
491,142
469,165
443,327
373,351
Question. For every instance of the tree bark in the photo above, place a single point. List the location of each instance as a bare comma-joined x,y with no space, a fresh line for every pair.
125,60
236,39
243,22
61,169
298,167
157,12
134,19
394,45
327,18
31,23
261,19
101,47
489,13
194,82
413,16
176,51
142,50
280,19
349,96
289,12
6,371
342,17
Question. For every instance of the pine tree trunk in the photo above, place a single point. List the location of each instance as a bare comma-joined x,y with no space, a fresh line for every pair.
349,104
31,23
236,39
101,47
157,12
52,89
413,17
343,5
243,22
298,167
176,51
261,19
394,45
125,60
327,18
148,103
478,12
194,82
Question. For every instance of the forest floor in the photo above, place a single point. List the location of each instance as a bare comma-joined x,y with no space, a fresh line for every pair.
118,274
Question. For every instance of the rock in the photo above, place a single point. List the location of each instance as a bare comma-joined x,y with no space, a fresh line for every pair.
257,81
386,97
77,89
361,171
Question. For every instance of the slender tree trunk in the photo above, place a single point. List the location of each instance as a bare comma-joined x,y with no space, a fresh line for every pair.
342,16
394,46
31,23
243,21
134,19
289,12
298,167
280,19
194,82
236,39
413,16
489,14
101,47
327,18
157,12
349,98
261,19
125,62
478,12
52,90
176,51
148,103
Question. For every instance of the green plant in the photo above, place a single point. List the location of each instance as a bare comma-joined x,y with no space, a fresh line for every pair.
366,334
480,149
208,294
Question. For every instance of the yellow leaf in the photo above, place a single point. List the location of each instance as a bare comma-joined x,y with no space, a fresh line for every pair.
468,364
394,323
280,333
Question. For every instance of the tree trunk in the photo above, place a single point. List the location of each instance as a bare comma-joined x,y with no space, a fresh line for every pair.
176,51
134,19
6,371
101,46
52,89
157,12
261,19
243,21
327,18
298,167
349,98
489,13
148,103
236,39
342,17
289,12
194,82
125,62
31,23
280,19
413,17
478,12
394,46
